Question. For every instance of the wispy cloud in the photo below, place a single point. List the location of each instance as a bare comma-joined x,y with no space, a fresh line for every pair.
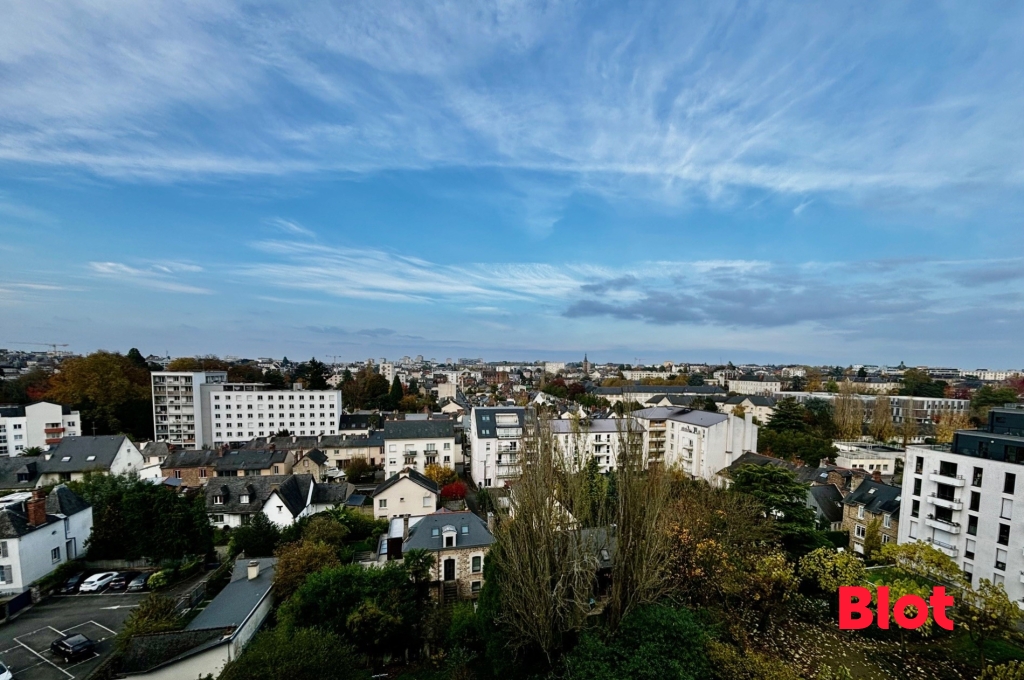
290,227
157,277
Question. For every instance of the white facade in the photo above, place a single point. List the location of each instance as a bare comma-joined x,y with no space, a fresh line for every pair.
495,437
404,497
979,488
766,387
419,452
586,439
200,410
28,558
921,409
128,459
697,443
42,425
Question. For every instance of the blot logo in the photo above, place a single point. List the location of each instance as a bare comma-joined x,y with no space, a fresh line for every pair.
855,612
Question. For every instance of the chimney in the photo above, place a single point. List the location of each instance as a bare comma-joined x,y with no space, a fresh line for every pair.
855,481
490,522
254,569
36,508
405,527
876,476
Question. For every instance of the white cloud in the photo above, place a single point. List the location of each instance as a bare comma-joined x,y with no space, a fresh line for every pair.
158,277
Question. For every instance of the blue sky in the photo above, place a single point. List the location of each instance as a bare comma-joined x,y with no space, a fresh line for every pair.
811,182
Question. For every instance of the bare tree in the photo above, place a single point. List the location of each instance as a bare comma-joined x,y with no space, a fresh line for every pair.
882,427
908,424
849,412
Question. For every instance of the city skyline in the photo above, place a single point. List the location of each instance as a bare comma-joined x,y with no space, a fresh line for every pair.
749,183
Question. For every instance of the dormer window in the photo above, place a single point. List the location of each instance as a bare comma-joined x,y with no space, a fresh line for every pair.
218,500
244,498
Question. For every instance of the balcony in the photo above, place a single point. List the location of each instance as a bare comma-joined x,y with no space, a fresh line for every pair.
52,441
943,525
934,476
53,430
951,503
944,547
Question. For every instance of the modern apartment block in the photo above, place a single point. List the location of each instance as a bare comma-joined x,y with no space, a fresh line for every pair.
496,438
698,443
39,425
963,499
599,439
201,409
923,410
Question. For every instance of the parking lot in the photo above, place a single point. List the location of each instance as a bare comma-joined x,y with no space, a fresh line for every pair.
25,642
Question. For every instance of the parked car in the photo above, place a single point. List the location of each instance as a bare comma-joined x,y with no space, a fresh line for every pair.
138,583
5,673
97,582
70,586
122,580
74,646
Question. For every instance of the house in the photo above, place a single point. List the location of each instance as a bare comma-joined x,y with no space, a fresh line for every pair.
339,449
232,501
827,502
247,463
872,500
313,463
38,533
216,636
459,543
419,443
760,406
755,384
153,456
407,493
75,457
194,468
18,473
36,426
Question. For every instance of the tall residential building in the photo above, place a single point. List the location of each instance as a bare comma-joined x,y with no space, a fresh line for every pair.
39,425
697,443
495,438
201,409
963,499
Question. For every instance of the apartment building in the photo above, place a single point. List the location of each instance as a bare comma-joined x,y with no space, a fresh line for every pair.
698,443
415,444
924,410
753,384
495,436
582,440
201,409
39,425
964,499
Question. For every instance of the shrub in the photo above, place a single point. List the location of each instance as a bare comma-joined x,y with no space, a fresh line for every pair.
158,580
456,491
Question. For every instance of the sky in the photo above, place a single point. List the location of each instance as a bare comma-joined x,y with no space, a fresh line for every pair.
780,182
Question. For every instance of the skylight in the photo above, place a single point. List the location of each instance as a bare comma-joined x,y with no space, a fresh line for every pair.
90,458
65,459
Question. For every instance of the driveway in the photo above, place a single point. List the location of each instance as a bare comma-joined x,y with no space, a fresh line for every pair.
25,642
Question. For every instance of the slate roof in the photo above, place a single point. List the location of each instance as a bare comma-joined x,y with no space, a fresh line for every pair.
682,415
317,456
876,497
487,429
602,425
755,399
673,399
332,494
751,458
187,458
11,467
102,451
421,534
418,429
243,459
354,421
238,599
63,501
660,389
145,653
293,490
14,519
413,476
829,500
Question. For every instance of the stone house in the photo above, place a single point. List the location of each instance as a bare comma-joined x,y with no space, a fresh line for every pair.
872,500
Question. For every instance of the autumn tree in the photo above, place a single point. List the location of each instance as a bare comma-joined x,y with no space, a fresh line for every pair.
112,393
296,561
440,474
829,569
784,499
882,428
988,614
872,538
907,427
947,422
357,468
849,412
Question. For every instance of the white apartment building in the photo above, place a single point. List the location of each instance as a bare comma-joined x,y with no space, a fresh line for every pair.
986,375
698,443
967,500
921,409
387,371
585,439
751,385
201,410
646,375
39,425
415,444
495,436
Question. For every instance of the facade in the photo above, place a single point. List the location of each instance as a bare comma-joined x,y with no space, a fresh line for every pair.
760,406
964,499
641,393
407,493
416,444
38,533
924,410
495,437
40,425
201,409
870,501
697,443
599,439
249,463
749,384
75,457
232,501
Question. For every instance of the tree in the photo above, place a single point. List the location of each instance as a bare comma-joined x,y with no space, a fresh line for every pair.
988,396
795,446
784,499
872,538
258,538
314,374
917,383
922,560
357,469
204,363
154,614
882,428
849,412
113,394
987,614
296,561
947,422
1011,670
396,394
788,416
900,587
908,427
440,474
456,491
695,380
135,357
305,654
325,528
829,569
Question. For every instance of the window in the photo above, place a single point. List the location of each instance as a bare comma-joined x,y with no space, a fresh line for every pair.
887,521
6,574
244,498
1009,482
919,465
913,530
55,555
177,474
218,500
859,531
202,473
947,469
465,530
885,538
915,508
1004,534
975,501
969,548
382,503
1000,559
218,519
435,532
917,487
477,564
426,501
277,469
968,574
3,549
449,541
972,525
976,477
475,587
1007,510
860,512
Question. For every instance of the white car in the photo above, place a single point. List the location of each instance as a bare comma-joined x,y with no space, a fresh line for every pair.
5,673
97,582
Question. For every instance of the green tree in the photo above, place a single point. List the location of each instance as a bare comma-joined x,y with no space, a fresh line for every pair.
829,569
988,396
794,446
136,359
695,380
258,538
788,416
872,538
987,614
397,392
306,654
784,499
296,561
325,528
1011,670
917,383
113,394
357,469
154,614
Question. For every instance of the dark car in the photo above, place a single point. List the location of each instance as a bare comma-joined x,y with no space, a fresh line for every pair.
71,585
72,646
138,583
122,580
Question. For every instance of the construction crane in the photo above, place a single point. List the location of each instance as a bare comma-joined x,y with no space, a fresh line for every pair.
54,345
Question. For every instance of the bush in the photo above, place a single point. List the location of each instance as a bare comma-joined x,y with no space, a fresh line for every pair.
309,654
456,491
158,580
729,663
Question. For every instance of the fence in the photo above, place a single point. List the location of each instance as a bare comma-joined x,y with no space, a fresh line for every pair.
119,565
191,598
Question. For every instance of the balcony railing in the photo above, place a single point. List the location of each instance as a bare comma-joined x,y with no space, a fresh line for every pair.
950,527
942,502
944,547
936,476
